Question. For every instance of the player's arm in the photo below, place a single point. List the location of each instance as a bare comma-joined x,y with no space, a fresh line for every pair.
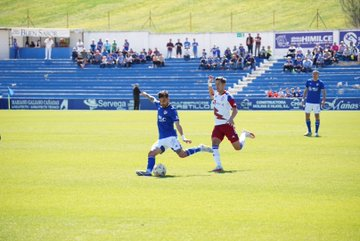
323,91
304,96
150,97
180,130
234,112
210,88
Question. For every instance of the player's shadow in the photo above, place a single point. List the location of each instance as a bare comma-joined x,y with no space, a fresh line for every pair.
229,171
206,175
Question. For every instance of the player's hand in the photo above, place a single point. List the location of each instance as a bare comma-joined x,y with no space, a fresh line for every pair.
210,79
322,103
186,140
231,122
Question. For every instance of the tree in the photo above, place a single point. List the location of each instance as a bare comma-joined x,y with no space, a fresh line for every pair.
352,9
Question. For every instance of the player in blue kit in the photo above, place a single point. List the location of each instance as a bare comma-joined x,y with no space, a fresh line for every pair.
167,117
314,88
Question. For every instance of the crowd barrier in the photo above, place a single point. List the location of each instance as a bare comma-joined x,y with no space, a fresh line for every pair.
180,104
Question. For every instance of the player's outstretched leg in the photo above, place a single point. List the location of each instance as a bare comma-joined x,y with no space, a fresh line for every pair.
191,151
245,134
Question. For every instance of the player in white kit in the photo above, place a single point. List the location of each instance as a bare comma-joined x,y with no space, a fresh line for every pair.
225,110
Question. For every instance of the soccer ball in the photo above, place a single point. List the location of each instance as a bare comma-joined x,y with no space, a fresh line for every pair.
159,170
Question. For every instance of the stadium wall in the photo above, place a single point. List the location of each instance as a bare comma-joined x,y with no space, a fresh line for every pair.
279,41
349,104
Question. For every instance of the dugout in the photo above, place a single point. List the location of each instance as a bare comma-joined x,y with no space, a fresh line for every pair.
31,42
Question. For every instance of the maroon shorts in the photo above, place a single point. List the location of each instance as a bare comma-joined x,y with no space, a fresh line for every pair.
225,130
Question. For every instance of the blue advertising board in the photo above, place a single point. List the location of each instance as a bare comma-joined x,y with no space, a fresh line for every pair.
305,39
180,104
350,36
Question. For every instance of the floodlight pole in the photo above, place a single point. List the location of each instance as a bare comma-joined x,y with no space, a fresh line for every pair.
109,20
28,19
190,22
317,17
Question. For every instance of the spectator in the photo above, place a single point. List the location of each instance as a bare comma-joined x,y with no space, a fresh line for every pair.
281,93
136,96
298,92
107,46
93,46
307,64
309,55
268,52
187,45
149,55
250,61
204,54
213,51
241,51
195,48
298,64
103,62
288,65
74,54
128,60
299,50
287,93
250,43
82,58
334,48
170,47
227,53
262,53
257,45
32,44
48,47
328,59
38,44
179,46
186,55
291,51
319,59
126,45
156,61
79,46
62,43
100,45
97,57
156,52
114,46
16,48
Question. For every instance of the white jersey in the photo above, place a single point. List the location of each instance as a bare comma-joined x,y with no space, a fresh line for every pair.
222,105
48,43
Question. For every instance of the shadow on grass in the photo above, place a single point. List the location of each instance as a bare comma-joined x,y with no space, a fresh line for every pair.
205,175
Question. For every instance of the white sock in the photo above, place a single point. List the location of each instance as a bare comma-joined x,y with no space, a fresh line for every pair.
242,139
216,156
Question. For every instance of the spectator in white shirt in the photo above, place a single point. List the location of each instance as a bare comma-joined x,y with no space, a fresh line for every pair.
49,42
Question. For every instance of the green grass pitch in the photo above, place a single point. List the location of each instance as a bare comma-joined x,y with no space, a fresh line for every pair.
71,176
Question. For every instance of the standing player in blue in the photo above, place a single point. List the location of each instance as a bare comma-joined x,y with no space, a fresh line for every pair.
167,117
314,88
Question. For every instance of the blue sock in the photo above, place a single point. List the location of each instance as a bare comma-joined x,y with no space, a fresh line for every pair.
308,124
317,125
192,150
151,163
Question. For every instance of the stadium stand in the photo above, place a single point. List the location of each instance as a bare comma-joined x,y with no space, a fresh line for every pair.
64,79
341,80
183,79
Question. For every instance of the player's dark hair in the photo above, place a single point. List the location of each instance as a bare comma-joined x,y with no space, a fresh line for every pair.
163,93
222,79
